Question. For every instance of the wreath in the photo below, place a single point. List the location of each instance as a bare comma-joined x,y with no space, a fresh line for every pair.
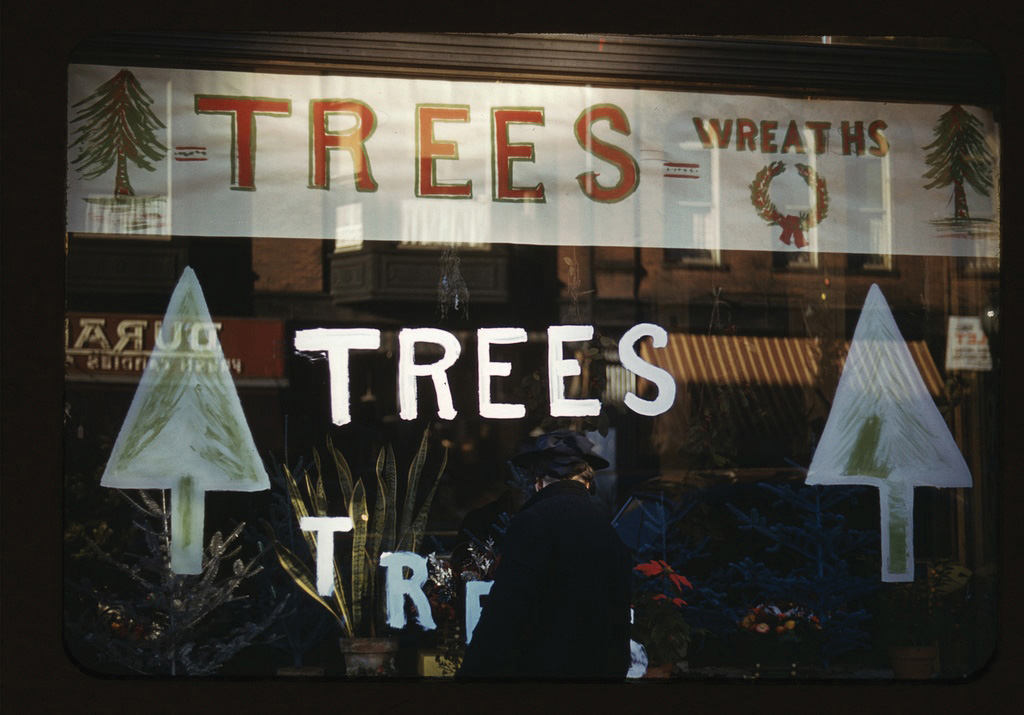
793,227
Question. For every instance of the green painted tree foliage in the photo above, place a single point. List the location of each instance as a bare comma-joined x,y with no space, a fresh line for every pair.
959,155
117,125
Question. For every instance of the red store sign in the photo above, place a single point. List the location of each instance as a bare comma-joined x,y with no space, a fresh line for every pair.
119,344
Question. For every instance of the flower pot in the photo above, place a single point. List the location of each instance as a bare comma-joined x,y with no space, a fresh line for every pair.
913,662
368,656
659,671
437,663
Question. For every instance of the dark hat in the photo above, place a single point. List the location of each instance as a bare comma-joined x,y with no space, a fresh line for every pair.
559,454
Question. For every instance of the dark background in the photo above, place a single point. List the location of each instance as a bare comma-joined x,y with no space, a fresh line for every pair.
37,40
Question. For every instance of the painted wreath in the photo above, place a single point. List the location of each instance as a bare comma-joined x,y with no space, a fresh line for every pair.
793,227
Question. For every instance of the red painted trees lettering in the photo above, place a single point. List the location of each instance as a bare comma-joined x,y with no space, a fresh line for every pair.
351,140
505,153
629,170
243,111
429,150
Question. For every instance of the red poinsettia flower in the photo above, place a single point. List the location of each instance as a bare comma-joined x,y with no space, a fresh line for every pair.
679,581
679,602
653,568
658,567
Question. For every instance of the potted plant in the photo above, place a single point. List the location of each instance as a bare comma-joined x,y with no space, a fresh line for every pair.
442,591
780,637
377,528
917,614
658,621
303,626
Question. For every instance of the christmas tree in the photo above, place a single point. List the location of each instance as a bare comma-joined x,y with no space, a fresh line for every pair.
814,569
154,621
675,532
958,155
117,125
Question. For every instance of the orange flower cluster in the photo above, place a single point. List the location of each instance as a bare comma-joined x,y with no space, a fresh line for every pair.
771,618
123,627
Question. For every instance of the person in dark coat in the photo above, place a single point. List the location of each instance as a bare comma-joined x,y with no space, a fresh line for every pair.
559,606
488,521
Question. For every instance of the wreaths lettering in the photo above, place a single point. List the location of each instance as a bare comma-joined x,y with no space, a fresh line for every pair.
793,227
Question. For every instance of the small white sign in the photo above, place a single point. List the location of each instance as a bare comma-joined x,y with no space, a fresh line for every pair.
966,345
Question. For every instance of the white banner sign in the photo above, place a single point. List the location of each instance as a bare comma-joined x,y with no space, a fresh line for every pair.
203,153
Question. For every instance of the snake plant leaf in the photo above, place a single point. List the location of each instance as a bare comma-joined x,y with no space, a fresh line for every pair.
412,487
302,576
360,525
370,536
320,487
300,508
344,473
320,496
375,535
415,534
294,567
341,602
386,464
310,493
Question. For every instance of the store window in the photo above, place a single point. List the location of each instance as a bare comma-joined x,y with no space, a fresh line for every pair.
874,214
349,231
694,213
314,314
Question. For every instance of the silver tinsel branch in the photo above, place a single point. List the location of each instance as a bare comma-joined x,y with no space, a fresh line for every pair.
173,624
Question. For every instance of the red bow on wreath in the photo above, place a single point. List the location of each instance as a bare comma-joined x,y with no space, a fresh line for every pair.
792,231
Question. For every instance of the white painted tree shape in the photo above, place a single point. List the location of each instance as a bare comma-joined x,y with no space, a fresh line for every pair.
185,430
885,431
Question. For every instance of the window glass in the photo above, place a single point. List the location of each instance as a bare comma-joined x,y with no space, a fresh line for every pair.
311,319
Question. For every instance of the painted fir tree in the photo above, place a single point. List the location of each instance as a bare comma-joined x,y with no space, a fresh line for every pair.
959,155
117,125
185,429
885,431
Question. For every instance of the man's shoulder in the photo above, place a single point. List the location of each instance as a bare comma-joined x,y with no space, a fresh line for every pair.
559,502
568,512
